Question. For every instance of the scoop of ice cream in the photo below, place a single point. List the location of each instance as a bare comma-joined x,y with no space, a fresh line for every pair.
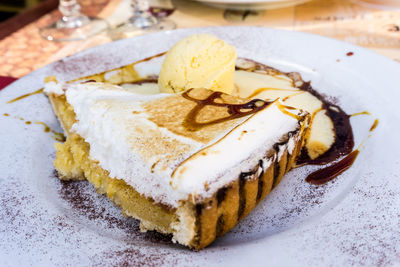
198,61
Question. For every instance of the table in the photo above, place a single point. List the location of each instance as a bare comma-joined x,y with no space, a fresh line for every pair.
379,30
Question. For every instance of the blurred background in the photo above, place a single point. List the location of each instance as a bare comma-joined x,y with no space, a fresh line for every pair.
373,24
9,8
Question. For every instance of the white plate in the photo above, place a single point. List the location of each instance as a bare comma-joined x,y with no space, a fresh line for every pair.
353,220
252,4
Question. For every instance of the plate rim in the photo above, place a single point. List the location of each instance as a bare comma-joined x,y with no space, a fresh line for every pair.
380,57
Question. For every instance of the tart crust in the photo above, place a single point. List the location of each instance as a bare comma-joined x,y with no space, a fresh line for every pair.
195,223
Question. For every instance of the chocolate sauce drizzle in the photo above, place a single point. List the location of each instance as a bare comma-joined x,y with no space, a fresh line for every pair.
344,139
326,174
342,147
235,110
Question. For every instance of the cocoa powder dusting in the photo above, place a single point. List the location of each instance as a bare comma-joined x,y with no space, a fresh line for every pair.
135,257
83,200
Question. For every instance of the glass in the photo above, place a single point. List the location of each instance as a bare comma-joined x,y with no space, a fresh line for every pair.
142,21
73,25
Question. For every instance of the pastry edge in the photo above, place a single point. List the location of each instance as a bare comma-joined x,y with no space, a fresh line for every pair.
198,224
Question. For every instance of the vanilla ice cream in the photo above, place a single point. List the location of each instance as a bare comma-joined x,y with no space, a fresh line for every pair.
198,61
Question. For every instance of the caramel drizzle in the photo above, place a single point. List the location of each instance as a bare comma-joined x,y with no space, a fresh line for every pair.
26,95
99,77
56,135
374,125
130,69
289,96
263,89
235,110
360,113
284,109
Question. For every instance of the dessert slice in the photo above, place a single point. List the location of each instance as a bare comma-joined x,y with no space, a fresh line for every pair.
190,164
